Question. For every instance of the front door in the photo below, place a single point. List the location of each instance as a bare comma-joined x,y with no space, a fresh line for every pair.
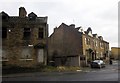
40,55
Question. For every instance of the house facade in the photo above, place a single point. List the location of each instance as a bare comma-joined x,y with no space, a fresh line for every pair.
94,47
115,52
24,39
72,46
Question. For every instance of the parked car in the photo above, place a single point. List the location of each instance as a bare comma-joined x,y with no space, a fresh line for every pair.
97,64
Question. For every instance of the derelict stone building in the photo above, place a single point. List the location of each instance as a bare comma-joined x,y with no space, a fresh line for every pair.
24,39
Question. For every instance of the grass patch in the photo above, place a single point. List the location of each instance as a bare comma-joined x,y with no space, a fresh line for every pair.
16,69
70,68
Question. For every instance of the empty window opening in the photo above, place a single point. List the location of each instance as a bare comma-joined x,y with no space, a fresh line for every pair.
4,32
40,33
27,33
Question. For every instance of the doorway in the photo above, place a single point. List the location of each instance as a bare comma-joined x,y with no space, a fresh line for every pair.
40,55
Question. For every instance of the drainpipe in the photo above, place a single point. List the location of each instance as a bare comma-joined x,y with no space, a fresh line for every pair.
79,60
86,60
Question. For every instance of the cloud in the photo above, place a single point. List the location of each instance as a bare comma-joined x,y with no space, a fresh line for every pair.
100,15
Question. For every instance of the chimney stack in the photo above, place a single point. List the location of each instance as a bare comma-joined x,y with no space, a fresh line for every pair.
22,12
72,25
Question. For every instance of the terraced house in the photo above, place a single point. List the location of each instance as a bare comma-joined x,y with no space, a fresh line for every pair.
72,46
24,39
94,47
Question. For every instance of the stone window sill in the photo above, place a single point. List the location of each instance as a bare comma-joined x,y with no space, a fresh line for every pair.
4,60
26,59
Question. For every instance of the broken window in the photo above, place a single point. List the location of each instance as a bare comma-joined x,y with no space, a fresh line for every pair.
27,33
41,33
4,32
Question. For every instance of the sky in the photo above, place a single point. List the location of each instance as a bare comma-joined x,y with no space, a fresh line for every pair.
100,15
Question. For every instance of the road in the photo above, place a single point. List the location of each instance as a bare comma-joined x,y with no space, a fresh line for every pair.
109,73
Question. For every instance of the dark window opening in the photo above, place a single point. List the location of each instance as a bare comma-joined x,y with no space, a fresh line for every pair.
32,18
40,33
4,32
27,33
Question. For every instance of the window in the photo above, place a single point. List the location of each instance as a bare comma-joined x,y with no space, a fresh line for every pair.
85,40
107,46
82,58
101,45
96,43
40,33
4,32
27,33
101,54
26,53
32,16
88,41
93,42
3,55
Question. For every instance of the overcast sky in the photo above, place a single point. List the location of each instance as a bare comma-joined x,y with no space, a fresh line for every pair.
100,15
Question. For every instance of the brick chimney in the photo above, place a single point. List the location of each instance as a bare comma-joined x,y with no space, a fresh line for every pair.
22,12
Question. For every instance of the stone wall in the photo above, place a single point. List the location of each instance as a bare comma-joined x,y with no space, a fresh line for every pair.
14,43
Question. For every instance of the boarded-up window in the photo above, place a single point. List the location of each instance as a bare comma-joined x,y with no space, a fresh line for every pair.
26,53
3,55
40,55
